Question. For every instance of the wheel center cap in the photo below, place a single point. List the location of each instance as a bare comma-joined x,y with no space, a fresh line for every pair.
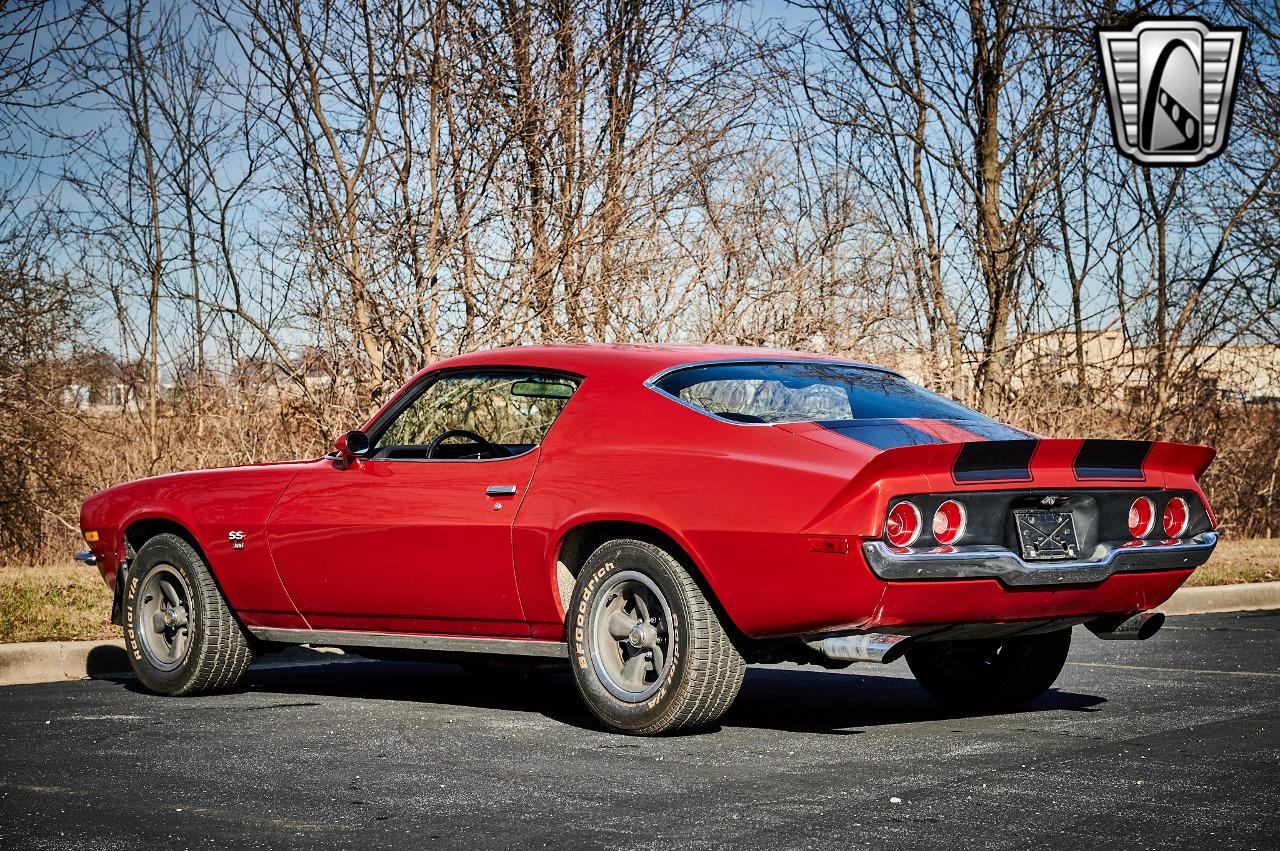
638,635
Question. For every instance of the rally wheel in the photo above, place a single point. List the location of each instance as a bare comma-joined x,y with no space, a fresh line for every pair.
990,674
648,652
179,633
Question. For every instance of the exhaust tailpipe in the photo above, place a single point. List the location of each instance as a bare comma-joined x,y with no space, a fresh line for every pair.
871,647
1137,627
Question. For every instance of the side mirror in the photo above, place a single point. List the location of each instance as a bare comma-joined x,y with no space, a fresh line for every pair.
352,445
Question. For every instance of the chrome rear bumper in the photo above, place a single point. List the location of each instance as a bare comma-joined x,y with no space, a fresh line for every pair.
986,562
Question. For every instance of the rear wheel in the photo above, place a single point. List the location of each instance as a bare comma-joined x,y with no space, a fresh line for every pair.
648,652
180,635
995,674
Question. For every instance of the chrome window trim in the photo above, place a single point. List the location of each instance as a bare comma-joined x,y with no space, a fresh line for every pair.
368,460
652,381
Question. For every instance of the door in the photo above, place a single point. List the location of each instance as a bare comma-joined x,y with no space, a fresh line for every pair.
416,536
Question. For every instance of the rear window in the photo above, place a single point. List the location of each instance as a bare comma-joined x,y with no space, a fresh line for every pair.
800,391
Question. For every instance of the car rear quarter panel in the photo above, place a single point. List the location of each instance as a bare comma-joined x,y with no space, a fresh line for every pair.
735,498
208,504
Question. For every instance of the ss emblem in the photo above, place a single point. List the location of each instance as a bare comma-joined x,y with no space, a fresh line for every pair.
236,537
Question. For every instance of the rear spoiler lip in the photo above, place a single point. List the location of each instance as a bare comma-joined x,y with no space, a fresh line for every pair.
1015,464
1089,460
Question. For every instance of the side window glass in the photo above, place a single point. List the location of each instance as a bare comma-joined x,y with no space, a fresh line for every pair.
757,401
500,414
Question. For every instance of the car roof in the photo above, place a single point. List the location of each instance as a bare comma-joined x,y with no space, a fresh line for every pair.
644,359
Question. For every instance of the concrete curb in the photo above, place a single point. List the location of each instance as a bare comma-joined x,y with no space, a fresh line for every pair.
49,661
54,661
1244,597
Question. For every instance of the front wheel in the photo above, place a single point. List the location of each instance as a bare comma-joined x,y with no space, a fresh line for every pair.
180,635
648,652
990,674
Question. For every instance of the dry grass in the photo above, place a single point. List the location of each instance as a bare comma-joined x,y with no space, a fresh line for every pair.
63,603
1248,560
69,603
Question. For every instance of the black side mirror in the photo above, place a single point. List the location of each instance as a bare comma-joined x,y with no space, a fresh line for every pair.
352,445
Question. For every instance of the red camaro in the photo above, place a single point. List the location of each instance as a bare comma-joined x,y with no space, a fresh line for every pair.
660,516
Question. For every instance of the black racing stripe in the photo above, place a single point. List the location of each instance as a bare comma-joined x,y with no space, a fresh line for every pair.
994,461
882,434
1111,459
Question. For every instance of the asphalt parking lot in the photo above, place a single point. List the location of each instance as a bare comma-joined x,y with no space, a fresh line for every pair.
1171,743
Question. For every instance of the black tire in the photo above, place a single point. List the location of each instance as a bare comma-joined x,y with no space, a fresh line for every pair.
692,672
178,631
995,674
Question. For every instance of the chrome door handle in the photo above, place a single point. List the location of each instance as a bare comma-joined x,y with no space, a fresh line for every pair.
500,490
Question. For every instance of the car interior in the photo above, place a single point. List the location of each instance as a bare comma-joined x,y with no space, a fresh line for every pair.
474,416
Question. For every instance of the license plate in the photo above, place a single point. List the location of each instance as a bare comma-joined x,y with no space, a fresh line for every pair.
1046,535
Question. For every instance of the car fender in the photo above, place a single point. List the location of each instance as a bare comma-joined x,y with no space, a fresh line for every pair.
224,514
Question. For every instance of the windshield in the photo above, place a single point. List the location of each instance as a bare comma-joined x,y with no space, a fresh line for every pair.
799,391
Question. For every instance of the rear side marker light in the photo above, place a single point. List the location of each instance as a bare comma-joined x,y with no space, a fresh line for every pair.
903,526
830,544
949,522
1176,516
1142,517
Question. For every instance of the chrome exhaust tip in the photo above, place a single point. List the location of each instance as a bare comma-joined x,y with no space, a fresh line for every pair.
871,647
1137,627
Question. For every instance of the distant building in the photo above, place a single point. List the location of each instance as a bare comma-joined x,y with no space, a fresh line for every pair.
1244,372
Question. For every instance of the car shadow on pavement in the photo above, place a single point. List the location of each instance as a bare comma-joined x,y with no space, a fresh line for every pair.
808,700
438,683
790,699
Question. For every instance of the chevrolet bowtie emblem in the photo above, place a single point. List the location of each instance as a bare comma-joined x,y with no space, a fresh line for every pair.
1171,83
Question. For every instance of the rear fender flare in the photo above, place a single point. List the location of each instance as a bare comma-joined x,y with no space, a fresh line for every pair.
666,537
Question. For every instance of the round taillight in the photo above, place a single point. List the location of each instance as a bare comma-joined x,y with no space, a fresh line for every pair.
903,525
948,522
1176,516
1142,517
